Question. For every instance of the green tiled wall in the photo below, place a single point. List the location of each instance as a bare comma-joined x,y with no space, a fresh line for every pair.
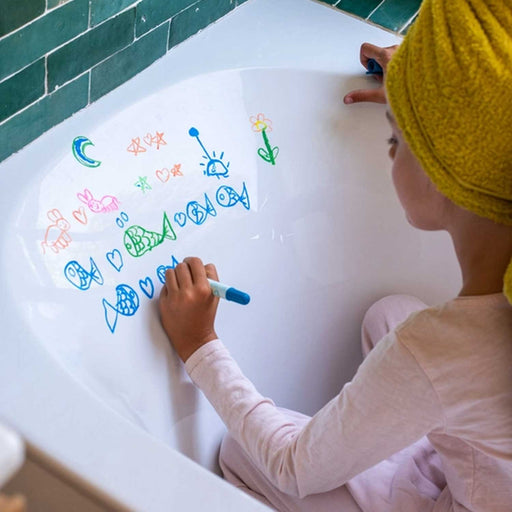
394,15
58,56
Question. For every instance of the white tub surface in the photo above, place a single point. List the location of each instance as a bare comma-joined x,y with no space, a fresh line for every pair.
315,239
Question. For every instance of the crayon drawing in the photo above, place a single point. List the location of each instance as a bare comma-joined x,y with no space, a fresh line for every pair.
78,146
147,287
215,166
127,304
56,237
261,125
115,258
81,278
103,205
138,241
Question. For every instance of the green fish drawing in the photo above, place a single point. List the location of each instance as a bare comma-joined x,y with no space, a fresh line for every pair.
138,241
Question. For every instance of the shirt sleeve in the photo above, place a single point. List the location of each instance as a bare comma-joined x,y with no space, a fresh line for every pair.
388,405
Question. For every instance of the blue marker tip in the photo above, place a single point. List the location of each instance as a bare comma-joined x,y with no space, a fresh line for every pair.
229,293
237,296
374,68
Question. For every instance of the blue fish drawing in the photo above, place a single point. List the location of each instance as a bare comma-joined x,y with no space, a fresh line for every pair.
81,278
227,197
127,304
138,241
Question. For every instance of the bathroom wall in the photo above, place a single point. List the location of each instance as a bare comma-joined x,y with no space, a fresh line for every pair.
58,56
394,15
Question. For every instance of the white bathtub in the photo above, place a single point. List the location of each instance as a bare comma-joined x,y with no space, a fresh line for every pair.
314,233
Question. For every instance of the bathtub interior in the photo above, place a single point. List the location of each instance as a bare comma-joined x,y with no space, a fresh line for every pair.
311,230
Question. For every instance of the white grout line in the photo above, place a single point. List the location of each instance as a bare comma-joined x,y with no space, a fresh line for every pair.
409,22
373,12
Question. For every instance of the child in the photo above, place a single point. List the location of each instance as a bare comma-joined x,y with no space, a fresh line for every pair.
426,422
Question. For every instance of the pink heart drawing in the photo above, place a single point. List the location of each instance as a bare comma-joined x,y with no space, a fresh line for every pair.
163,175
80,215
148,139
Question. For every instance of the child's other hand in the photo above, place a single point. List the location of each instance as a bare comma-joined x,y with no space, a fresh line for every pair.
188,306
382,56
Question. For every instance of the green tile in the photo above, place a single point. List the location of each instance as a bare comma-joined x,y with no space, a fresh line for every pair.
394,14
128,62
330,2
104,9
22,89
55,3
43,35
151,13
89,49
15,13
361,8
35,120
193,19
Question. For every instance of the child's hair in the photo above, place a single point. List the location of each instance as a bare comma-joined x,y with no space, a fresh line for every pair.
448,86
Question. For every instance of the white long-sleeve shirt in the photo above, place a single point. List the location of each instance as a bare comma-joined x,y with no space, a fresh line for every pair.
446,373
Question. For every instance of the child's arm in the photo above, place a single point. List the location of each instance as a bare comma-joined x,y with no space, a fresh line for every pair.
388,405
382,56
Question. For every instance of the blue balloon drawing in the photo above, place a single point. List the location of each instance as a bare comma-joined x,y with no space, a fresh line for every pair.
78,146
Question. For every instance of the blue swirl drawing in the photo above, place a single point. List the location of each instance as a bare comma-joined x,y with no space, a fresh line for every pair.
162,269
214,166
227,197
81,278
198,213
115,258
147,287
127,304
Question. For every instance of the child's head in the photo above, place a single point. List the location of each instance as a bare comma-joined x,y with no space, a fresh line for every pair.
448,88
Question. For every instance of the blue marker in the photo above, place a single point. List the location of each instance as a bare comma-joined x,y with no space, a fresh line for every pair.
374,68
227,292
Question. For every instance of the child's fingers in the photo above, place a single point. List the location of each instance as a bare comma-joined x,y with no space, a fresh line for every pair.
370,51
196,269
183,275
380,54
211,271
171,283
372,95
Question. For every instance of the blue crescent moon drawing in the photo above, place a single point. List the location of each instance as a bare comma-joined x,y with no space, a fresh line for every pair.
79,144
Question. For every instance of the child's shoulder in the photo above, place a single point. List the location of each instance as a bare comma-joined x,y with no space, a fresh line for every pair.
460,326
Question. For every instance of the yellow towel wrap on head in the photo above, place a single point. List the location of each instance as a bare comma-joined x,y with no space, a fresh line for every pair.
449,86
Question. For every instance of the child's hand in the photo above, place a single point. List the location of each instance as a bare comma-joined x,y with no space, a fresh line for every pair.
16,503
382,56
188,306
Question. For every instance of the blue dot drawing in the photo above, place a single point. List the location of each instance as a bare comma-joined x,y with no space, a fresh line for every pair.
115,258
147,287
81,278
214,166
122,219
162,269
227,197
127,304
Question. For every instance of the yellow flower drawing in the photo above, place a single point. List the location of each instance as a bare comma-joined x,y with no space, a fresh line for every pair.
259,123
